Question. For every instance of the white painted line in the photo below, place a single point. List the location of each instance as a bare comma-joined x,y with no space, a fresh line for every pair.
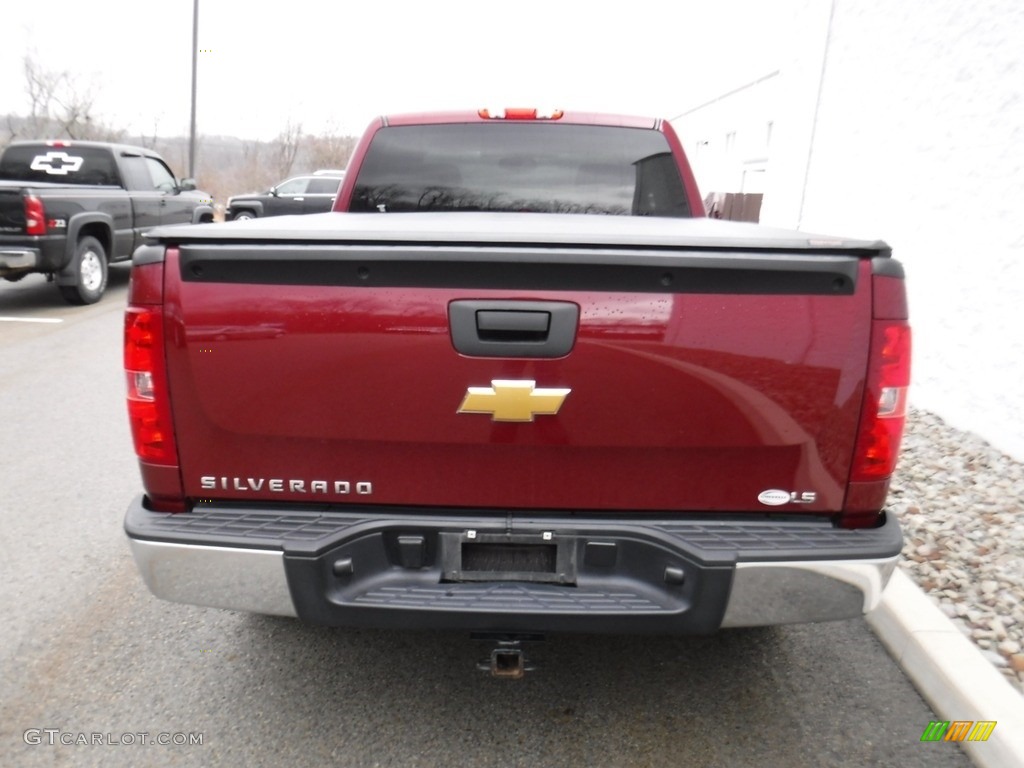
949,671
30,320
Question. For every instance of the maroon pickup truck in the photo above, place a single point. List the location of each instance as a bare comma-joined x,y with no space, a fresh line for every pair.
461,404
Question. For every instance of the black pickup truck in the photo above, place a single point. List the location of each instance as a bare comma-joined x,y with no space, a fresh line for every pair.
68,208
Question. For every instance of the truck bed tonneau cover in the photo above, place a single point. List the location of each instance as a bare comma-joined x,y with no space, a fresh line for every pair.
519,229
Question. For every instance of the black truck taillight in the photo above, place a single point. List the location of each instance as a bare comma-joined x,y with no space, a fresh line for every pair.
149,402
35,216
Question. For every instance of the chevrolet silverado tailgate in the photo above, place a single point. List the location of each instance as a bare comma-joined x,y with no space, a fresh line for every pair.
530,362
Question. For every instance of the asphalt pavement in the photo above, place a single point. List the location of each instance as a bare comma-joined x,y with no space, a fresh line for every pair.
86,654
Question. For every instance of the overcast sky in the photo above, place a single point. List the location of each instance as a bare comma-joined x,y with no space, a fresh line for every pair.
332,66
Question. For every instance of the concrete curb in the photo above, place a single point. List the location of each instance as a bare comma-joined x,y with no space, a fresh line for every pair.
949,671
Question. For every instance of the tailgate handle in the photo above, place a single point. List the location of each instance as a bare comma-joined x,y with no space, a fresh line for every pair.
513,328
512,325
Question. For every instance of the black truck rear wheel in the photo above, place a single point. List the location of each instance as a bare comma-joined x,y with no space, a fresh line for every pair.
90,267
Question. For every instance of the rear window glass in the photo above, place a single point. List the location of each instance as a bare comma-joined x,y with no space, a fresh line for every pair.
62,165
534,167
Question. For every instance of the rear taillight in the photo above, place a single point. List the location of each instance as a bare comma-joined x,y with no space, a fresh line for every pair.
35,216
149,402
148,407
883,413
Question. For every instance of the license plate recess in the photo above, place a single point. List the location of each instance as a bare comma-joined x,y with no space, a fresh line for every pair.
479,556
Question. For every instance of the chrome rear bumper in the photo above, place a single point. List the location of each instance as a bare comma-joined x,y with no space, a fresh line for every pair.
646,576
18,259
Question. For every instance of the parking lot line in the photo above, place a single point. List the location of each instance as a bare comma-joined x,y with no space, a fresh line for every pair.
31,320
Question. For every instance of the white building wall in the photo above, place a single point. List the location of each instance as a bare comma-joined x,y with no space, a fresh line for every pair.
728,139
905,121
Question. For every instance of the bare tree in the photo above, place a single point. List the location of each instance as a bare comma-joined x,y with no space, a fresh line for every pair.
40,87
247,166
12,131
254,173
58,107
286,148
150,142
251,153
329,150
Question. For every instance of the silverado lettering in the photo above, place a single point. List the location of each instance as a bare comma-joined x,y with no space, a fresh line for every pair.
279,485
640,421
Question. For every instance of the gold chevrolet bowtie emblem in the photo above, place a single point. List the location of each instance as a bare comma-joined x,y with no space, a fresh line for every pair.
513,400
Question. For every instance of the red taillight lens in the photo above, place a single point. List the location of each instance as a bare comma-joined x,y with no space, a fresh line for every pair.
885,405
35,216
149,400
148,404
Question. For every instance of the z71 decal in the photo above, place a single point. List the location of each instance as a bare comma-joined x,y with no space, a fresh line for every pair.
57,163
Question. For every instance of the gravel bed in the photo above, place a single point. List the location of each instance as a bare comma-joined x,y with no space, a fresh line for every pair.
961,504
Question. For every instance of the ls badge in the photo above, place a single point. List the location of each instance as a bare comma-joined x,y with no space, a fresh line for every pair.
508,400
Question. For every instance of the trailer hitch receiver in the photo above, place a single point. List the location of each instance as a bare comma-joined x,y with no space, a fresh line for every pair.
507,660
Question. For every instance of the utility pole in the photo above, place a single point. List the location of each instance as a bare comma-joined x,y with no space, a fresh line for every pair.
195,51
